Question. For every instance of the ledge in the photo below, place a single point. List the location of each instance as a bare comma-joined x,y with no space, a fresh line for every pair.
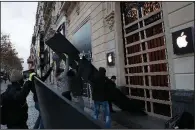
133,121
183,100
67,7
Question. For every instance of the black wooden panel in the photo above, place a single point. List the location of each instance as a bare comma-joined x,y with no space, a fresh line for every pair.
59,113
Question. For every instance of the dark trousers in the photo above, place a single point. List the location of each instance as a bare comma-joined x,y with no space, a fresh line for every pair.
67,95
19,126
106,111
38,123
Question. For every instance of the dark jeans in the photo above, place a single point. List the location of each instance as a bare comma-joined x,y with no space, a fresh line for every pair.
110,105
67,95
106,109
38,123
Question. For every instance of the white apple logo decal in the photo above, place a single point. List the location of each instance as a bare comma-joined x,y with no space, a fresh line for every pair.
181,40
109,58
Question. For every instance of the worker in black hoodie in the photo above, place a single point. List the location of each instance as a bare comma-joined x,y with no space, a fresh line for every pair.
14,108
99,95
38,123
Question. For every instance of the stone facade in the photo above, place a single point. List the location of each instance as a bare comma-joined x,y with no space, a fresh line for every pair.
178,16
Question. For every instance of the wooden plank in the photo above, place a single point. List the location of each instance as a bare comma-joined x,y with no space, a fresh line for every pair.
143,18
150,100
61,117
144,40
146,63
144,28
147,74
147,51
143,71
149,87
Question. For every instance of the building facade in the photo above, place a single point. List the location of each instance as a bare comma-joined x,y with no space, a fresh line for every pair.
134,41
31,60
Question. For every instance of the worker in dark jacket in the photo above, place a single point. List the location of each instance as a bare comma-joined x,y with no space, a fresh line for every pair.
75,80
14,108
62,79
76,86
38,123
75,83
99,95
113,78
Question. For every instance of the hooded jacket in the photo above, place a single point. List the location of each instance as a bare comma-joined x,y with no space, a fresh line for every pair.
14,106
99,92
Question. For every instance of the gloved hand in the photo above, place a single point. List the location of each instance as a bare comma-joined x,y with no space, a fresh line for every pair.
52,64
81,55
31,76
55,57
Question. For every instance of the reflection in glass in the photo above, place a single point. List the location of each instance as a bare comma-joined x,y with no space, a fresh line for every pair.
149,7
131,12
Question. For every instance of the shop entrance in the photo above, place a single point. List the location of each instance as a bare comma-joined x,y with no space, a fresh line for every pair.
146,65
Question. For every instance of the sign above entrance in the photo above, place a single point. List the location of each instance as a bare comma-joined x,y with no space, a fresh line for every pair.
183,41
110,59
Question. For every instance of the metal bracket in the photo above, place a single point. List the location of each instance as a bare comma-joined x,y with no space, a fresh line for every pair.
88,55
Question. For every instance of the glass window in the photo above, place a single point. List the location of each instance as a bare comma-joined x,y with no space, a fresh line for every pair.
82,38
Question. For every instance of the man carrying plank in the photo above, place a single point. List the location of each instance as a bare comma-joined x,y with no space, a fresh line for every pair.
62,78
100,96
